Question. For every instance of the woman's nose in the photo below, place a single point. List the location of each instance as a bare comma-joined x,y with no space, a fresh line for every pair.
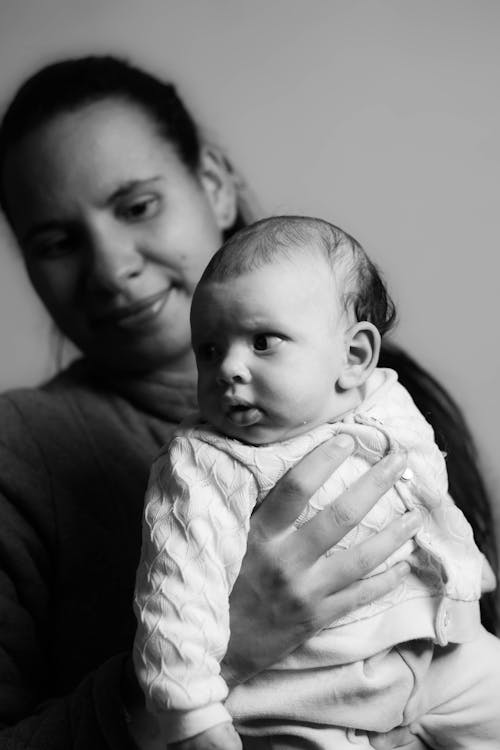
114,261
233,368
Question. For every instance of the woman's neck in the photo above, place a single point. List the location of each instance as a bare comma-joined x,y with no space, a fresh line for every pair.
168,392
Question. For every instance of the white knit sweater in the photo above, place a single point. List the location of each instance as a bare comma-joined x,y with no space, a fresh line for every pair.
202,491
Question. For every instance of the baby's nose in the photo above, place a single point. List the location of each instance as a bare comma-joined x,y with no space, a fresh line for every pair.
233,369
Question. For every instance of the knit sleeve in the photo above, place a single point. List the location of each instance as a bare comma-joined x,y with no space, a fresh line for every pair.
194,537
91,716
26,535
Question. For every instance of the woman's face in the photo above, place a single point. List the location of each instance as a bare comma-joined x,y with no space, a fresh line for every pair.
115,232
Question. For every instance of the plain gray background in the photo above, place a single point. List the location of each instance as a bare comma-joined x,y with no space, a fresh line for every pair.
380,115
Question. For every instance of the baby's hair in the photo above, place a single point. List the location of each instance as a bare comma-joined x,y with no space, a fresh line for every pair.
265,241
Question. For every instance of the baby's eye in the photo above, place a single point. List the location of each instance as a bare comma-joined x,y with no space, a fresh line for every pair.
264,342
207,353
140,208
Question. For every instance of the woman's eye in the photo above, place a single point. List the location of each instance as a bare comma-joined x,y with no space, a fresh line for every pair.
51,248
145,207
264,342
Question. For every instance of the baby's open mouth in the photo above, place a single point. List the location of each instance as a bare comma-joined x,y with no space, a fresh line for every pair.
243,414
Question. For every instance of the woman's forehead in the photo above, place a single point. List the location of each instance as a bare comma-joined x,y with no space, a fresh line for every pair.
105,133
86,154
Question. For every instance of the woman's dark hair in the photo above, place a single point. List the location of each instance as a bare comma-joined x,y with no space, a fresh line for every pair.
454,438
67,85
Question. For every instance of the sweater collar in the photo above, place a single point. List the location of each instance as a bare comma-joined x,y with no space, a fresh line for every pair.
168,396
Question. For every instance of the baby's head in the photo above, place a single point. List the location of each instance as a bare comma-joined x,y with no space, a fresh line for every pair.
286,326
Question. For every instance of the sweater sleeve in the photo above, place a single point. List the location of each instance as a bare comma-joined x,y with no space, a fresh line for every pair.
194,537
91,716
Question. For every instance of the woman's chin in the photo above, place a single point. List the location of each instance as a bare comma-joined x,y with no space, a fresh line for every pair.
143,357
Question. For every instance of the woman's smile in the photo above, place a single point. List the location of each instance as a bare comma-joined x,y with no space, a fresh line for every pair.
139,228
135,315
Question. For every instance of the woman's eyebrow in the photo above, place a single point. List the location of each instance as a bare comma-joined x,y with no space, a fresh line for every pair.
130,185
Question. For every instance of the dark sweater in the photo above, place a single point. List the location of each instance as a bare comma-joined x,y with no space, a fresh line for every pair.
74,462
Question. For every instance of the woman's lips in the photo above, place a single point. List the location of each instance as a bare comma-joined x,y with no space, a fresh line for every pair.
134,315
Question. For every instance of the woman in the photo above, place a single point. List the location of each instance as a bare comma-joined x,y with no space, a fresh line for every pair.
117,206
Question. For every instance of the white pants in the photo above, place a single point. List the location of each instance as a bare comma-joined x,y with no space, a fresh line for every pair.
454,703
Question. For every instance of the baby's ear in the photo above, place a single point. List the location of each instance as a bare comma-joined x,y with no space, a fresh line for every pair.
362,352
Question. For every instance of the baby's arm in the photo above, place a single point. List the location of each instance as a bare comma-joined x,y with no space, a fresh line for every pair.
194,538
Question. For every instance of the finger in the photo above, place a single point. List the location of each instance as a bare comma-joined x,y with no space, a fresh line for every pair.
288,498
332,523
401,737
360,593
346,566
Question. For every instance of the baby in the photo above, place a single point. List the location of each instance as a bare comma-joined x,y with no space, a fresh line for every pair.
286,328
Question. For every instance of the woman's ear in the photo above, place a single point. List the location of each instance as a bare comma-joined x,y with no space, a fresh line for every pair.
362,353
219,185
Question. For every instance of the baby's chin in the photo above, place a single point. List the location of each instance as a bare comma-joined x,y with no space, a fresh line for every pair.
260,434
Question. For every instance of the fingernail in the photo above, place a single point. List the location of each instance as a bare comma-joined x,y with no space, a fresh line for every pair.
397,460
344,441
411,521
403,568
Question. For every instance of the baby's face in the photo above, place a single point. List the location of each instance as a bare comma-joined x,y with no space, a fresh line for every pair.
269,346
